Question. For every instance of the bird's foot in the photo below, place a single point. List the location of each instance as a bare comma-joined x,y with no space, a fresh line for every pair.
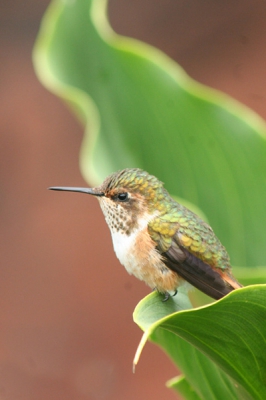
167,295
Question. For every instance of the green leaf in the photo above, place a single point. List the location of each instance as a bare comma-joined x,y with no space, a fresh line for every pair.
181,386
249,276
141,109
231,332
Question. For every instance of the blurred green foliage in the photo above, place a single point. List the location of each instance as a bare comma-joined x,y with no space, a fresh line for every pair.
140,109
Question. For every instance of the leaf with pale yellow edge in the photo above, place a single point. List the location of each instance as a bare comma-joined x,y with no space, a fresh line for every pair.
142,110
220,348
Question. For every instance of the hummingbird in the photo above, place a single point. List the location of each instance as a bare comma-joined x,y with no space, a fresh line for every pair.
157,239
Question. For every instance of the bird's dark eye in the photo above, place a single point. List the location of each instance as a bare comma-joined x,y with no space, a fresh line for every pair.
122,196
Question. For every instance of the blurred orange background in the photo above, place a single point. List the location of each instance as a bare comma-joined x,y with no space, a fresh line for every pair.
65,301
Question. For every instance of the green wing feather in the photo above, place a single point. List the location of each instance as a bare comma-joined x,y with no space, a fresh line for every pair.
191,249
181,227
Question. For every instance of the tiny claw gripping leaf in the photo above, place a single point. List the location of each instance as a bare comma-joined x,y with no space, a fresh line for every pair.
167,295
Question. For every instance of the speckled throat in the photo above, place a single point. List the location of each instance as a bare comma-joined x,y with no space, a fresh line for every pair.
117,217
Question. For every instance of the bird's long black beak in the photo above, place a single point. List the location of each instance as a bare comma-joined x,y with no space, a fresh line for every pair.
77,189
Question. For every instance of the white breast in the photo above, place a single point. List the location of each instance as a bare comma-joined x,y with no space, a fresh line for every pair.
124,246
140,258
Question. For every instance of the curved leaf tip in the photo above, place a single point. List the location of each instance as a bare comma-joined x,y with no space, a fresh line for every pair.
231,332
